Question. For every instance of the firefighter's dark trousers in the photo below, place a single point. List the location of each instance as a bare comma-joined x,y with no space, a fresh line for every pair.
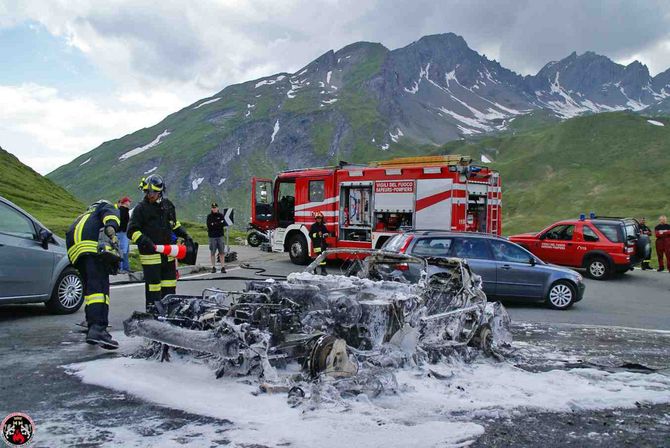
318,249
663,248
160,277
95,276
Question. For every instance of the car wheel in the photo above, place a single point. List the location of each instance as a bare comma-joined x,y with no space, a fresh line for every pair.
598,268
297,249
561,295
68,293
254,240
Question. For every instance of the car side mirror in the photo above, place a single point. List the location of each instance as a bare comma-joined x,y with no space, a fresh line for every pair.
44,237
532,261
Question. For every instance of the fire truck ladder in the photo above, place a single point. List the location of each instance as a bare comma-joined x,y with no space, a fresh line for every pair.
424,160
495,210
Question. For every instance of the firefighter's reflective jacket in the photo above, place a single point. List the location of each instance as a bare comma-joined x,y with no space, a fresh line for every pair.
82,236
316,233
157,222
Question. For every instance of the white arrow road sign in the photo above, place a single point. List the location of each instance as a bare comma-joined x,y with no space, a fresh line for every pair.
229,216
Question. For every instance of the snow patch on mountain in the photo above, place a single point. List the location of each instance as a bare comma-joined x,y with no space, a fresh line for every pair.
274,133
149,171
328,75
196,183
141,149
85,162
269,82
204,103
655,123
221,181
395,137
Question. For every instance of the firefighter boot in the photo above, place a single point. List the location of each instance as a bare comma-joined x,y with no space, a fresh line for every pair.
323,270
97,334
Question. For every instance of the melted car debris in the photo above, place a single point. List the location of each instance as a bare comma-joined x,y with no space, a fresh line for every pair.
323,338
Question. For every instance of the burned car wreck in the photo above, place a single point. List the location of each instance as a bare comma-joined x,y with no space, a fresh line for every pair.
350,331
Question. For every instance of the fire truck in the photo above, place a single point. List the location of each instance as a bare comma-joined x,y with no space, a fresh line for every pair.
364,205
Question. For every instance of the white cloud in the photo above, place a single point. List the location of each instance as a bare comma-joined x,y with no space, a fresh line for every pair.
166,54
59,128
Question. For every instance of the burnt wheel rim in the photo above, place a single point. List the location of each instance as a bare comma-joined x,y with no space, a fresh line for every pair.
597,268
70,290
560,296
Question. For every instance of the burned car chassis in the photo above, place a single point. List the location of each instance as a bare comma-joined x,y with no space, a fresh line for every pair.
332,326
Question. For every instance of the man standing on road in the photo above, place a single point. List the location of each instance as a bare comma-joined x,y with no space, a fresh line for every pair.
124,244
318,233
644,230
215,225
153,222
662,232
92,247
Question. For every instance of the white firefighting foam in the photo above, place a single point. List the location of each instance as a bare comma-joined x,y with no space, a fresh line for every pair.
426,411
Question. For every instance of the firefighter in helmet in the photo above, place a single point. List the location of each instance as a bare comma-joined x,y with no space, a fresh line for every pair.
93,248
318,233
153,222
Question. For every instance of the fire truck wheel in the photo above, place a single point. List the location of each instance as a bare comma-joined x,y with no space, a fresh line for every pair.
561,295
297,249
598,268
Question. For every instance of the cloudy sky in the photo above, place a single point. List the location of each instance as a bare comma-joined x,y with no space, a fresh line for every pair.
76,73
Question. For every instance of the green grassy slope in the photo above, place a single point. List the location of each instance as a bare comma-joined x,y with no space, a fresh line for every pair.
615,164
50,204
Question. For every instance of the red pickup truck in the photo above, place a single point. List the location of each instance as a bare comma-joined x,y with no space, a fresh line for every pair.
602,246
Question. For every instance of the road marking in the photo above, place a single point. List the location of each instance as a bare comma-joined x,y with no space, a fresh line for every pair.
613,327
131,285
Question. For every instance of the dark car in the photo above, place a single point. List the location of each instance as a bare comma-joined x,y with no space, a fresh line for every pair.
507,270
601,245
34,266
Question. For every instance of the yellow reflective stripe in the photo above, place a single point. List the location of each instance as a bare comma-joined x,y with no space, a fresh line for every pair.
176,225
150,259
87,244
95,298
169,283
111,217
79,229
317,249
170,259
154,287
136,236
106,299
84,247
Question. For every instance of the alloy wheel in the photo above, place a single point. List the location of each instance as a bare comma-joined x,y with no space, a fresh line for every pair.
70,290
560,296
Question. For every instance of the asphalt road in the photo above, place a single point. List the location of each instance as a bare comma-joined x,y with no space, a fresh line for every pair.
34,345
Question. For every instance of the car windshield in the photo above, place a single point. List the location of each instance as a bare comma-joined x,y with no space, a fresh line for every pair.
395,243
612,232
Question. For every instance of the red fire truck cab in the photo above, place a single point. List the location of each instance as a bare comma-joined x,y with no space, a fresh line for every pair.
364,205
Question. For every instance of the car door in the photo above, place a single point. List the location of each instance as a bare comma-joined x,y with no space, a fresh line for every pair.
478,254
587,241
516,275
25,266
556,245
